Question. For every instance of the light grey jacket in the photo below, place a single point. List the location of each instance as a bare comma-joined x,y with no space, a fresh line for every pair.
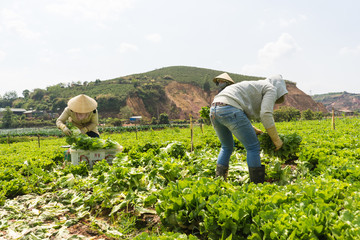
255,98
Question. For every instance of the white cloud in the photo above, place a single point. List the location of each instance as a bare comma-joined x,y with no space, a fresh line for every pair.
96,47
125,47
254,69
269,21
46,55
350,51
14,22
155,37
93,9
2,55
288,22
74,52
303,17
285,46
272,53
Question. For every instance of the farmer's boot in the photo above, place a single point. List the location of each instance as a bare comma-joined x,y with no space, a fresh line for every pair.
222,171
257,174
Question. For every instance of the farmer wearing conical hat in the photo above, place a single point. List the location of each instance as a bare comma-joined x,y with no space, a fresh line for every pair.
230,114
81,112
223,80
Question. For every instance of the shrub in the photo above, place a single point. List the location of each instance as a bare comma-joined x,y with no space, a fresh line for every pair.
286,114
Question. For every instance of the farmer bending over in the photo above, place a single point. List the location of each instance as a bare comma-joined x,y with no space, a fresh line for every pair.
230,112
81,112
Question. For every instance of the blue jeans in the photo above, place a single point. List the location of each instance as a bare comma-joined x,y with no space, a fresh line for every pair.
228,120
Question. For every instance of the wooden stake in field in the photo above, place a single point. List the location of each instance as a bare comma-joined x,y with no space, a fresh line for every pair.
333,120
191,133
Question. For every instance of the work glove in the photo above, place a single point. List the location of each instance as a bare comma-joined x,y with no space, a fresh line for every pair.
274,137
66,130
258,131
84,130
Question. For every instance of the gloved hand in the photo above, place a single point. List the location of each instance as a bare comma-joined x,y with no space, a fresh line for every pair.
84,130
274,137
66,130
258,131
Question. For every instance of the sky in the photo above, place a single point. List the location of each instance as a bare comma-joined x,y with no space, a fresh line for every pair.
315,43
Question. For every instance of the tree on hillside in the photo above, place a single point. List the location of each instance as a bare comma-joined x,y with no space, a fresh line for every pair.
207,86
168,77
55,91
318,115
29,104
286,114
8,99
59,105
18,103
125,112
38,94
153,121
137,84
164,119
151,94
109,102
8,118
205,114
12,95
26,93
307,115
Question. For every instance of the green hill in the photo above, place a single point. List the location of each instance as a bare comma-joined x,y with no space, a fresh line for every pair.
192,75
112,94
321,97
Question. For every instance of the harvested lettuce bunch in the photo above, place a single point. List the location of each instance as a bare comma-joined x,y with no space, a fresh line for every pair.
77,140
289,150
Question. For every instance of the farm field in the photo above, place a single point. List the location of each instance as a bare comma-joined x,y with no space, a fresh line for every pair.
157,188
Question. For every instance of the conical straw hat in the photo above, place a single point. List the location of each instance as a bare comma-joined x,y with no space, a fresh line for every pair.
225,77
82,104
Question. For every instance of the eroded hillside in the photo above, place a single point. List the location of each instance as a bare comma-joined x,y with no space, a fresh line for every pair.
343,101
299,100
183,99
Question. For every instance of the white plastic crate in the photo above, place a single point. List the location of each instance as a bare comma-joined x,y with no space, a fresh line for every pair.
92,156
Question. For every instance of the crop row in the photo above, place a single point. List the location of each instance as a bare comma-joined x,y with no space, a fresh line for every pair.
159,188
56,132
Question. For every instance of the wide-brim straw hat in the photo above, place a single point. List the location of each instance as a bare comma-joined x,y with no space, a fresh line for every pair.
224,77
82,104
